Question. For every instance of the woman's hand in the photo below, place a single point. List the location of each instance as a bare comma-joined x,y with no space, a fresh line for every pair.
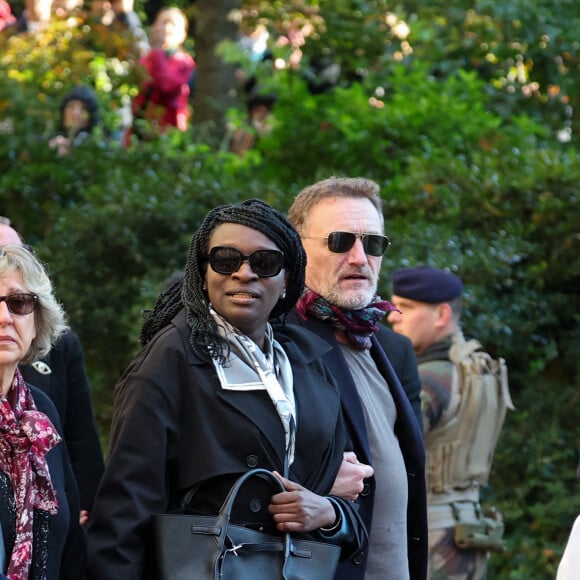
300,510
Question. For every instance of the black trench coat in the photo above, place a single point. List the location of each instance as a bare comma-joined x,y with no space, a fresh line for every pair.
174,427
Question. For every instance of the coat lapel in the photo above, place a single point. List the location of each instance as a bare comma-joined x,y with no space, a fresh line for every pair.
255,406
406,427
351,404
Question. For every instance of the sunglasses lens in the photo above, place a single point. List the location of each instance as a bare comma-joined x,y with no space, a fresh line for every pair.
375,245
20,304
340,242
225,260
264,263
267,263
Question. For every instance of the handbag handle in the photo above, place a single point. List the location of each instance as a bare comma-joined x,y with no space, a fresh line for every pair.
225,510
228,504
220,526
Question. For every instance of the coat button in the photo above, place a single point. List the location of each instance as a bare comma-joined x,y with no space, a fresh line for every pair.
252,461
359,558
366,490
255,505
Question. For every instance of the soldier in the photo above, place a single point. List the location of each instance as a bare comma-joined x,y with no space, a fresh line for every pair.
463,412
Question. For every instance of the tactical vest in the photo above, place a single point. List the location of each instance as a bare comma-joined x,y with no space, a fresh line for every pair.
460,453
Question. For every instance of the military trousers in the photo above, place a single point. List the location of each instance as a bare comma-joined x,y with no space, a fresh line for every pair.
446,560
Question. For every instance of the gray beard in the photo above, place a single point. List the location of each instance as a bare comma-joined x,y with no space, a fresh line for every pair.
351,302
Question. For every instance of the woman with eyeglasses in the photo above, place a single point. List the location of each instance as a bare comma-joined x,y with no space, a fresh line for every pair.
39,525
215,392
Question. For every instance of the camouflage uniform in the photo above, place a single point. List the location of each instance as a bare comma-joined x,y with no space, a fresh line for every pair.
441,397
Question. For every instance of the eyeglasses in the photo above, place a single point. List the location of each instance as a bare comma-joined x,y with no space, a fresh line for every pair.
20,304
341,242
264,263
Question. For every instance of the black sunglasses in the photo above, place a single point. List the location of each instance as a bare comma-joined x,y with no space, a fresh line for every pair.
20,304
264,263
341,242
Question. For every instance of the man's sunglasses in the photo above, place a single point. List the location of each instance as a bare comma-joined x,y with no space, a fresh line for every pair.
264,263
341,242
20,304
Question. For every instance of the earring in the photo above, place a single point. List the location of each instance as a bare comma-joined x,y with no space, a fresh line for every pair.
283,294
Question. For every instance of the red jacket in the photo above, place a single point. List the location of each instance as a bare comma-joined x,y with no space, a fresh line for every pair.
164,96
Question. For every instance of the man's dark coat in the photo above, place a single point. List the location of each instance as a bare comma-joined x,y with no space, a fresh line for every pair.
395,360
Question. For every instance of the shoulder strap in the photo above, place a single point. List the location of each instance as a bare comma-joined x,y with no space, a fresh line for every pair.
461,350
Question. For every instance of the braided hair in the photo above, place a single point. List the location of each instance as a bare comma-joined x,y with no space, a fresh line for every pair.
189,292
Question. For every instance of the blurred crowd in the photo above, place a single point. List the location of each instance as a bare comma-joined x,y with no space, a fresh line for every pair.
160,46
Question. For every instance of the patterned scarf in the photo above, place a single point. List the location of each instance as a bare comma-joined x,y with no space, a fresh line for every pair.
26,436
357,325
249,368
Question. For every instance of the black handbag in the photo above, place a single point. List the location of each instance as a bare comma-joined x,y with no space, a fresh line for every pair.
195,547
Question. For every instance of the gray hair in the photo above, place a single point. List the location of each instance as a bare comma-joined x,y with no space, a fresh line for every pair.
49,316
352,187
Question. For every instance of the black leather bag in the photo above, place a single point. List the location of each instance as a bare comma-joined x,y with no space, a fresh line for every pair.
192,547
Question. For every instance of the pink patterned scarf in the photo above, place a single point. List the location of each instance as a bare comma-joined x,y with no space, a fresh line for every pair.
26,436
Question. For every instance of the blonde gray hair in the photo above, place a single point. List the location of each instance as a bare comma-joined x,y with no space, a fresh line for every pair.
49,316
351,187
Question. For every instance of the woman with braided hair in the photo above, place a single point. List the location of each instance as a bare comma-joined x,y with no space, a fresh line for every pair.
215,392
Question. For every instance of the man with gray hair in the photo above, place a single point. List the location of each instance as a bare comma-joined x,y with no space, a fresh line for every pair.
340,221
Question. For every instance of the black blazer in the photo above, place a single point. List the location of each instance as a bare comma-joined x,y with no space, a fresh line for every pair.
67,385
174,427
66,540
395,359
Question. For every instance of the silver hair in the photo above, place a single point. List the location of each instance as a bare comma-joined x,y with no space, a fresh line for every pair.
348,187
49,316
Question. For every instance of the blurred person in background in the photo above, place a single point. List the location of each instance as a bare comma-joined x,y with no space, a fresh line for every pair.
163,100
35,16
6,17
78,117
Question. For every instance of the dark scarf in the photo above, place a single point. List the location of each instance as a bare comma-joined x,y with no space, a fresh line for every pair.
357,325
437,351
26,436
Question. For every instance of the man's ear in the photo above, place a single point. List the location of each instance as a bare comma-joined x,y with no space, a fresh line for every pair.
444,314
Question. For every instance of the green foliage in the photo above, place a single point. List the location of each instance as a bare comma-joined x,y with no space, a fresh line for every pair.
536,484
529,56
471,173
375,134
